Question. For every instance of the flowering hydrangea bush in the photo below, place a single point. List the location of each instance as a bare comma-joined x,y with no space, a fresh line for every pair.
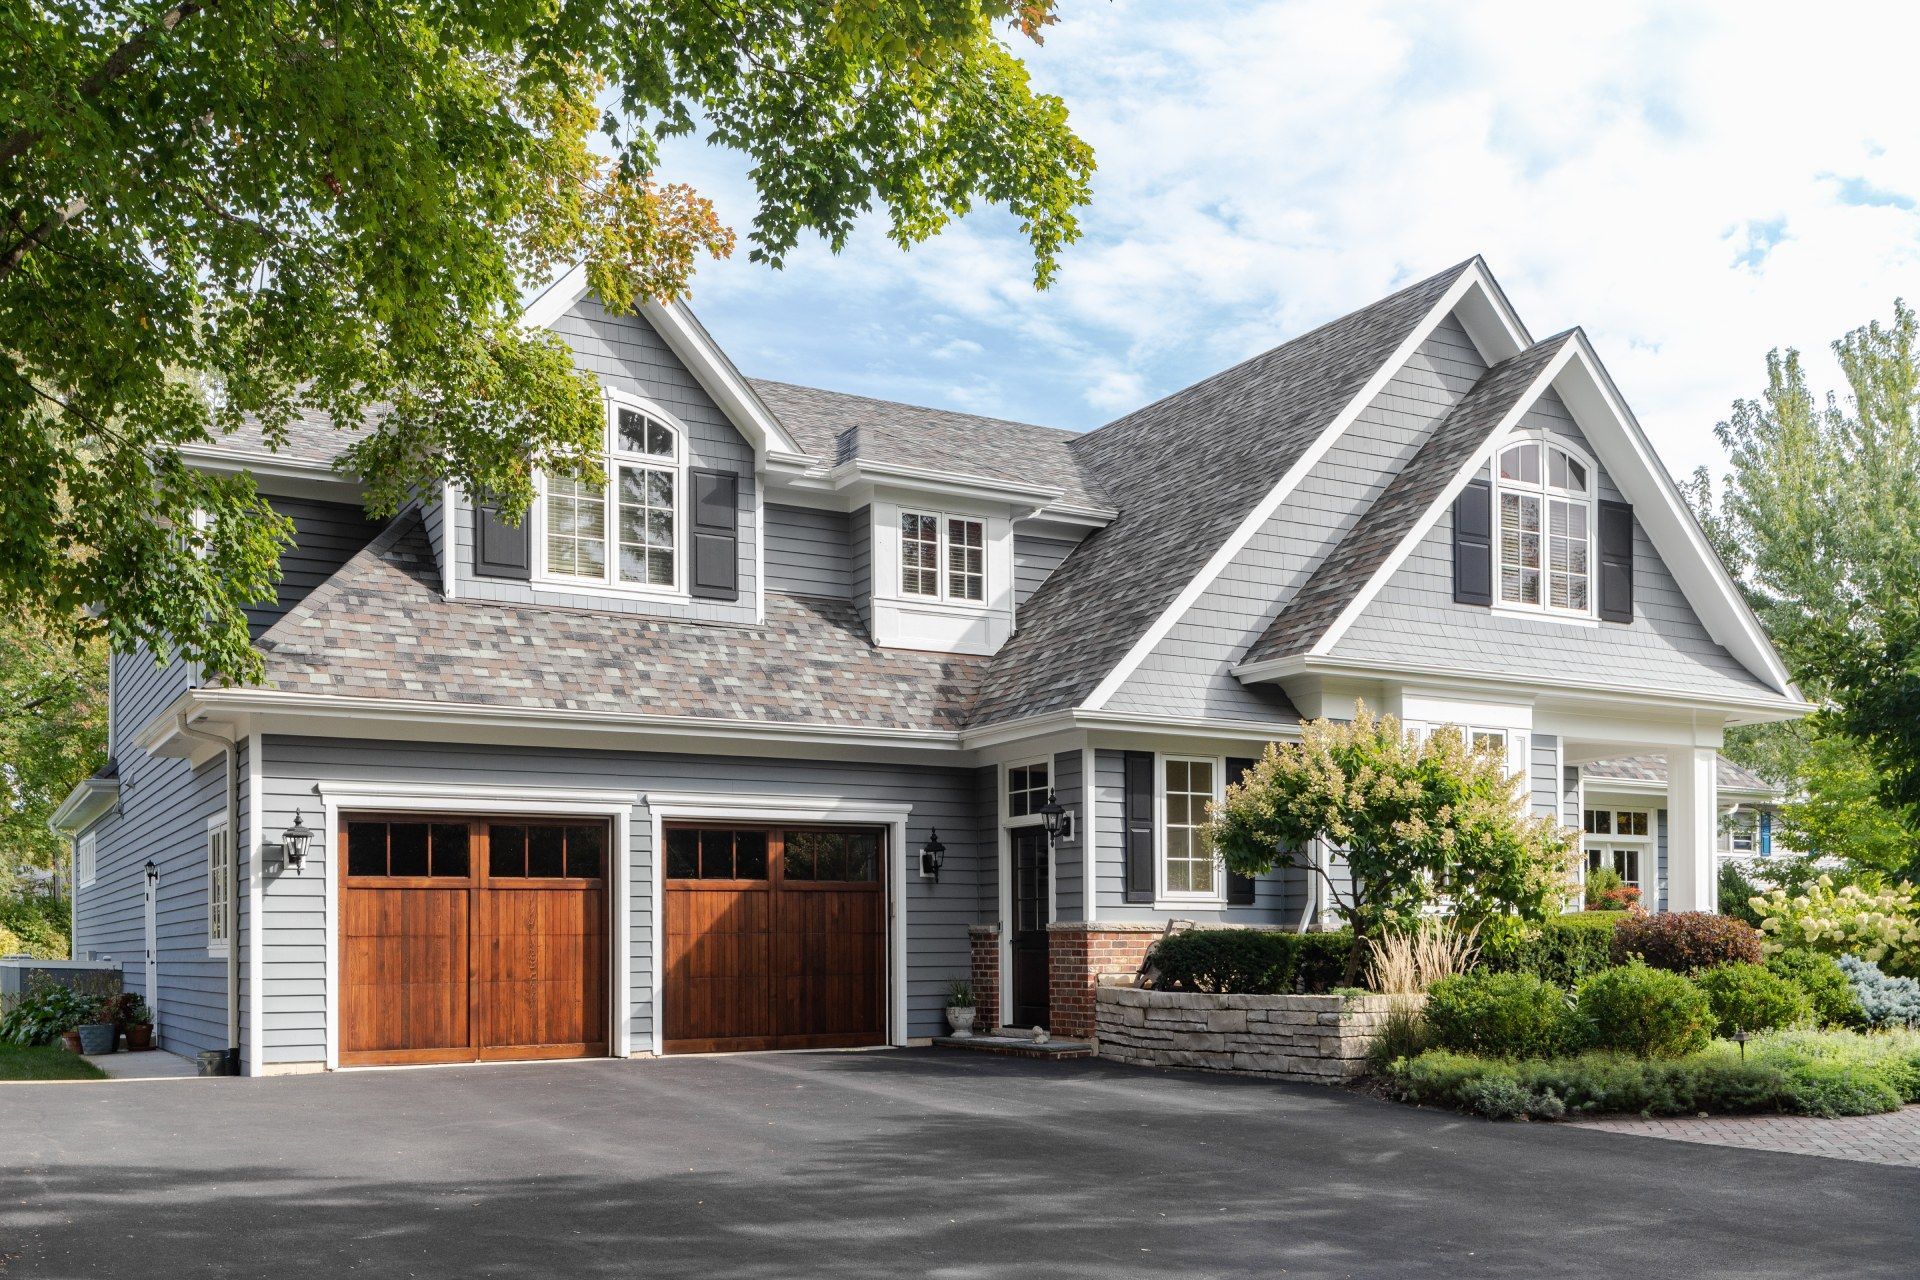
1880,925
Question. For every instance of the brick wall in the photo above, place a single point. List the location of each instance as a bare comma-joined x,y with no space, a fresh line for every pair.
1079,956
985,975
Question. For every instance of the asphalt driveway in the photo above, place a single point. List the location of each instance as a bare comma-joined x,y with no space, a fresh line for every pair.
892,1164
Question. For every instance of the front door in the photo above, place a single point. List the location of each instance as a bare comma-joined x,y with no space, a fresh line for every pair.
1032,982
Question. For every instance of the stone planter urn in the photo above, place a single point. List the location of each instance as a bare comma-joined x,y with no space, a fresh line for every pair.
960,1018
97,1037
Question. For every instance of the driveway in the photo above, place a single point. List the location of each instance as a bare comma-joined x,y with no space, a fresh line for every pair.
923,1162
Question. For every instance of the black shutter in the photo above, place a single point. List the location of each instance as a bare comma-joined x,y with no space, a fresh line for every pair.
716,535
1137,804
1473,544
1240,889
1616,562
501,550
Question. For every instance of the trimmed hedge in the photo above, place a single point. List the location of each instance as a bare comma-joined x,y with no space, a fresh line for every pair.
1502,1015
1686,941
1650,1013
1251,962
1564,950
1750,998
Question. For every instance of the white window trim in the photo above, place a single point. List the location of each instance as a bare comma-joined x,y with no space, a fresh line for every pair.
944,567
1165,898
218,947
85,853
1006,792
1547,495
609,583
1648,844
1517,748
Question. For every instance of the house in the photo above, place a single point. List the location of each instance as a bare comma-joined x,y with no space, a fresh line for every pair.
825,703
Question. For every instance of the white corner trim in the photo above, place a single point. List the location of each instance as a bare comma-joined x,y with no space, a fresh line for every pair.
449,547
1465,472
1089,839
1473,277
256,934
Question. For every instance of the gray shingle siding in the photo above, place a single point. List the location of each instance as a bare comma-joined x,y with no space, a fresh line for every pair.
1415,621
860,565
937,914
1190,671
1544,775
625,353
1069,860
1034,559
809,552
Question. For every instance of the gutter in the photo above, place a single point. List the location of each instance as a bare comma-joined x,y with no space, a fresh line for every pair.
230,751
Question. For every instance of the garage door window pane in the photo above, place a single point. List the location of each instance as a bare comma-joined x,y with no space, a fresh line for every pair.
507,851
750,855
585,847
450,855
546,852
803,854
683,855
863,857
366,848
407,848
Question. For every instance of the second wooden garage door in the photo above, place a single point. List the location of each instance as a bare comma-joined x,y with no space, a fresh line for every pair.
472,939
775,938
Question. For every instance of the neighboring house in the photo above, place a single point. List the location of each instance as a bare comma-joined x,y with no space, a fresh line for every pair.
753,748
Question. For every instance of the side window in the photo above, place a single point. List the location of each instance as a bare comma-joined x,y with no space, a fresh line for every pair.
83,859
219,906
1190,869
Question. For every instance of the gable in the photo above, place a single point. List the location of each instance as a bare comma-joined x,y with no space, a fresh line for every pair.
1189,672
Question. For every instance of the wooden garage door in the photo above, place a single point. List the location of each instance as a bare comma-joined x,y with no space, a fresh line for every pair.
775,938
470,939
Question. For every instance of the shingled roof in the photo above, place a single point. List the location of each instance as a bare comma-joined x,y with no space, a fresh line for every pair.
1731,776
1183,473
1409,495
837,427
379,628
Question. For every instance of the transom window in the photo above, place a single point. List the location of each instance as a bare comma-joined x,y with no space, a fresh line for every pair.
1027,786
1622,841
626,532
1188,864
943,557
1544,505
1619,822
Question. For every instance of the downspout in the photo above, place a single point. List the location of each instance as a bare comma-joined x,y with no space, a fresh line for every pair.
230,752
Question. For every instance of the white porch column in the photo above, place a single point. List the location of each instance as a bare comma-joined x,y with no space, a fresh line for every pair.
1693,807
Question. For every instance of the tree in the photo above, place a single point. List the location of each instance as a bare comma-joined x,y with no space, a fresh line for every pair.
1423,825
218,212
53,732
1819,518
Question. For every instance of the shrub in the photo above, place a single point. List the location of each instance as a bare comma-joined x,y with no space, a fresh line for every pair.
1562,950
1409,961
1650,1013
1403,1034
46,1012
1588,1084
1880,924
1826,985
1250,962
1737,892
1502,1015
1883,1001
1686,941
1752,998
1829,1067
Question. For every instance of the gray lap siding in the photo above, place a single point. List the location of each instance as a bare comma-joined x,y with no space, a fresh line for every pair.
937,914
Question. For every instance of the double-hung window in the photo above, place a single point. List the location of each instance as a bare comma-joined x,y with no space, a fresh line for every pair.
1544,507
219,904
943,557
624,533
1189,868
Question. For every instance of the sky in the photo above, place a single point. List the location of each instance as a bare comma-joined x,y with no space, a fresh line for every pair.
1695,184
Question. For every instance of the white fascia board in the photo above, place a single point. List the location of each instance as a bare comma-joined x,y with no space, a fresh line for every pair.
1629,458
1562,688
1025,731
1465,472
282,473
1491,322
696,349
1473,278
90,799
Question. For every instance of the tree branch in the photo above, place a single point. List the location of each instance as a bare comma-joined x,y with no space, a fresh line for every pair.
66,213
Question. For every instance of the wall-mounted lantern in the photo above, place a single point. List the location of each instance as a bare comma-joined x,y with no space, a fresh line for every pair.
153,874
294,843
933,855
1058,819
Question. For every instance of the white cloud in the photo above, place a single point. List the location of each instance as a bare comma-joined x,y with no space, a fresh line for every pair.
1693,183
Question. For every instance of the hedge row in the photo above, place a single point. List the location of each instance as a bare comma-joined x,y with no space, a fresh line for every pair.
1252,962
1564,951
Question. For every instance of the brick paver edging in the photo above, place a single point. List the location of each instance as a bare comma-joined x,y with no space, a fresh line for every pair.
1892,1138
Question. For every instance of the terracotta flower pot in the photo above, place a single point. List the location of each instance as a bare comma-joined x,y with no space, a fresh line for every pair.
71,1039
139,1037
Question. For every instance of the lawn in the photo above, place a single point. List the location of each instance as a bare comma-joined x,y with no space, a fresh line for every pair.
18,1062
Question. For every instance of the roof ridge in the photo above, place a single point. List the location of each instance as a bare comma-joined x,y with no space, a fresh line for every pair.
926,408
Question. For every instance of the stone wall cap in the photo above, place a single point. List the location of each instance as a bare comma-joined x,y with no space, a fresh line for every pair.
983,930
1106,926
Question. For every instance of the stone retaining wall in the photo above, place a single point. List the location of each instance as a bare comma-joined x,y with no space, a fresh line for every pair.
1322,1039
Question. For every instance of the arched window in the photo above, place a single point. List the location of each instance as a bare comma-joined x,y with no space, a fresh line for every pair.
627,532
1544,505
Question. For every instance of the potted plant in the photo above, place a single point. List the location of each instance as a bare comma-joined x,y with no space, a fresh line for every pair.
99,1034
960,1009
131,1018
48,1012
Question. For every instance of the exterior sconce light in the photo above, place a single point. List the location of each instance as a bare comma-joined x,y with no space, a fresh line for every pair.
153,874
1058,819
294,842
933,855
